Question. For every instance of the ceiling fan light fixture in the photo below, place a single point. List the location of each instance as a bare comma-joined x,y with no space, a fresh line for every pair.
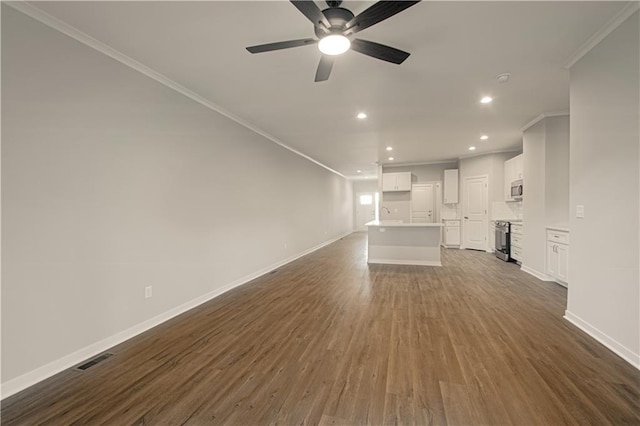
334,44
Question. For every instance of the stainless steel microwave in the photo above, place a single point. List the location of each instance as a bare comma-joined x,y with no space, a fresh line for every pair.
516,189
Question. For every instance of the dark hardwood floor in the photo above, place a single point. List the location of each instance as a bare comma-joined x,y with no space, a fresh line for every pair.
329,339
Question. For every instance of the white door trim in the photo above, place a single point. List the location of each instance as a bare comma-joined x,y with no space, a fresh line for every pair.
356,206
464,208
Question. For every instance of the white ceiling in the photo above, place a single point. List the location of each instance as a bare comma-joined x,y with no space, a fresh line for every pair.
427,108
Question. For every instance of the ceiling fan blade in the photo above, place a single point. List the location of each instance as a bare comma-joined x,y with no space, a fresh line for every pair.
379,51
281,45
324,68
377,13
312,12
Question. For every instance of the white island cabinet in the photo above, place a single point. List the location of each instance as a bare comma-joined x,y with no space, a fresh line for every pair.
397,243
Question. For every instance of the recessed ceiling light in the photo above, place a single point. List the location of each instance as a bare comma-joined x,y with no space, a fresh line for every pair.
362,115
484,137
389,148
486,100
334,44
472,148
390,158
359,171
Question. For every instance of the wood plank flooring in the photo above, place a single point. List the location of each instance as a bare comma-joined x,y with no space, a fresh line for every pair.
329,339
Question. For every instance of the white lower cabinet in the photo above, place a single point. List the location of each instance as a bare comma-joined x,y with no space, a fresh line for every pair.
562,251
558,256
516,242
451,230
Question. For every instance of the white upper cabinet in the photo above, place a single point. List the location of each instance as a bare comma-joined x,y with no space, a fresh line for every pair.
518,167
513,170
396,181
508,174
450,186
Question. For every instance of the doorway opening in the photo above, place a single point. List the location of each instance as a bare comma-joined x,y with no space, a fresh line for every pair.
366,209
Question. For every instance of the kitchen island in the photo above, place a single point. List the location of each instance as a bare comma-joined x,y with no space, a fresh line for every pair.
397,243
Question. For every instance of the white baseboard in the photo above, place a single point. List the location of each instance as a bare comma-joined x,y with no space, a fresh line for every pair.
406,262
22,382
535,273
611,344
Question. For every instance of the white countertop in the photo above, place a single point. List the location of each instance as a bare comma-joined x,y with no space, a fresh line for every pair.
398,224
563,228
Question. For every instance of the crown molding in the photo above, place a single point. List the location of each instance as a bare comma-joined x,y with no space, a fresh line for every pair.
71,31
596,38
365,178
542,117
480,154
419,163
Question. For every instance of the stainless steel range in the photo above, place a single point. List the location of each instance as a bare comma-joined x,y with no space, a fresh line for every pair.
503,240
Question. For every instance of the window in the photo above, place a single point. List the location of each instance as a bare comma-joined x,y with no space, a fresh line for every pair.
366,200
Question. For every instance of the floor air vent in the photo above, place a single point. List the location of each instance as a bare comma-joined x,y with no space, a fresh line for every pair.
94,361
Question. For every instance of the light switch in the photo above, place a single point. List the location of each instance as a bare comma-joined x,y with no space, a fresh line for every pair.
382,229
580,212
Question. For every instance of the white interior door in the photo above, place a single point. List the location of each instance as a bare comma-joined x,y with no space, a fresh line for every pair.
365,209
474,210
422,203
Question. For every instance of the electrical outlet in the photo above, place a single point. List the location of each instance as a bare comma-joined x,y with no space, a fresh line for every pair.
285,245
580,212
148,292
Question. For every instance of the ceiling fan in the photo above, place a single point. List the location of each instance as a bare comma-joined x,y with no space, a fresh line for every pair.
335,27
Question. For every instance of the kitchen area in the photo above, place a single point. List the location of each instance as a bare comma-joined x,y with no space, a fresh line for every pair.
513,204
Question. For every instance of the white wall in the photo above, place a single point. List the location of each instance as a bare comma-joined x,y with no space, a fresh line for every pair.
604,287
492,166
112,182
369,185
557,170
546,187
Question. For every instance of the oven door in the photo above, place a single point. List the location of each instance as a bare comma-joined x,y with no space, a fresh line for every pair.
502,242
